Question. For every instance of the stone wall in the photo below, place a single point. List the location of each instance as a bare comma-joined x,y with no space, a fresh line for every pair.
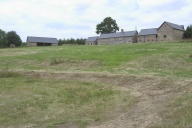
178,35
118,40
35,44
91,43
147,38
166,33
31,44
54,44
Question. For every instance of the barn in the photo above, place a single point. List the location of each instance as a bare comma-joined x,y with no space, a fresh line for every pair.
147,35
91,40
118,38
170,32
41,41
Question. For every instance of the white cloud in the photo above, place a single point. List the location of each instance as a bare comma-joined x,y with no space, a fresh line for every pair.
78,18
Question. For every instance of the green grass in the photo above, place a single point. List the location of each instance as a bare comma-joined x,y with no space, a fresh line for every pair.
163,59
33,93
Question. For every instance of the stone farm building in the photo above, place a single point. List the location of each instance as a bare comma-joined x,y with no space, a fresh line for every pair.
166,32
147,35
91,40
170,32
118,38
41,41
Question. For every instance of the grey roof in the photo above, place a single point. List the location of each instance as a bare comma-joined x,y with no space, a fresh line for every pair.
92,39
42,40
151,31
176,26
119,34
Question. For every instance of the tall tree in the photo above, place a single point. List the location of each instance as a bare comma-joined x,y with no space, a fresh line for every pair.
188,32
3,39
108,25
13,38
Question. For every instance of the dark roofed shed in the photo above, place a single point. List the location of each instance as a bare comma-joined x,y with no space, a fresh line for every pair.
41,41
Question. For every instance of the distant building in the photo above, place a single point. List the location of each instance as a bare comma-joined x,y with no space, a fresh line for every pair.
91,40
118,38
166,32
41,41
147,35
170,32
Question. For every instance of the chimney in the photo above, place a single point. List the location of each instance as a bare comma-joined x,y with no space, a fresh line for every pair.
122,30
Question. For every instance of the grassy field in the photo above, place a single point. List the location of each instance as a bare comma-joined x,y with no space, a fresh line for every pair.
136,85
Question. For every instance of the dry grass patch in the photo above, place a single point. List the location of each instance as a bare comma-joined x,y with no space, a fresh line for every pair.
71,65
162,65
15,52
48,100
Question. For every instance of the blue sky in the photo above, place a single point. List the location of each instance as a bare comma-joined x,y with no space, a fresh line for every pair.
78,18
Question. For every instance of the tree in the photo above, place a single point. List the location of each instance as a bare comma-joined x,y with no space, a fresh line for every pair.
13,38
60,42
3,39
188,32
108,25
78,41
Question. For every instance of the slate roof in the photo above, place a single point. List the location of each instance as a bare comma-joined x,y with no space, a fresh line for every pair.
42,40
92,39
119,34
175,26
151,31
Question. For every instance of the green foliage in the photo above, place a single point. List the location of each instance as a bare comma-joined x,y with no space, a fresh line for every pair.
23,44
3,39
188,32
13,38
108,25
77,41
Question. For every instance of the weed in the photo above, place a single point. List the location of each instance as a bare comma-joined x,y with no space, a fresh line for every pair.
55,61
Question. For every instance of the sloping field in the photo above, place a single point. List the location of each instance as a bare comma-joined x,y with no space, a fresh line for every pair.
110,86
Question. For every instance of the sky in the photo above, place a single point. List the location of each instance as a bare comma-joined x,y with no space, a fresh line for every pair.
78,18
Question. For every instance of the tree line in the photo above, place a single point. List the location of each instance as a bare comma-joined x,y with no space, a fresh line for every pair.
9,38
73,41
188,32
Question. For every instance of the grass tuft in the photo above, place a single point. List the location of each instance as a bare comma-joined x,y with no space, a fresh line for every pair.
7,74
55,61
